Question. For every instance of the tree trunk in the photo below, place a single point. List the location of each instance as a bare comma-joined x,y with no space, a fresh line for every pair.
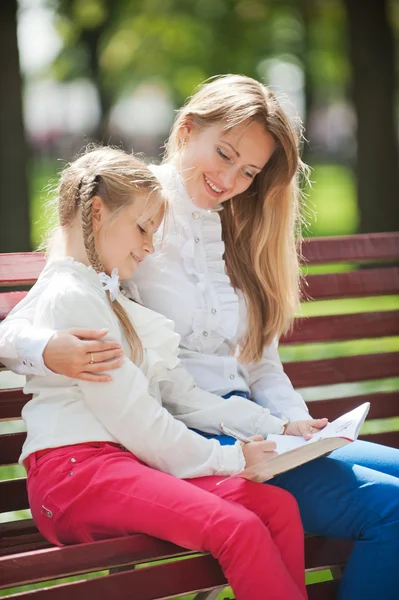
14,197
371,47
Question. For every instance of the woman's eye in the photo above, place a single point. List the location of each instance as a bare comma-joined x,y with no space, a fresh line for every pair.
222,154
249,174
140,228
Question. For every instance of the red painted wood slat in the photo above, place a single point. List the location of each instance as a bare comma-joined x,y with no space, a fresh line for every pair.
51,563
8,300
20,268
149,583
10,447
12,402
331,328
383,405
13,495
387,438
345,369
323,591
354,284
350,248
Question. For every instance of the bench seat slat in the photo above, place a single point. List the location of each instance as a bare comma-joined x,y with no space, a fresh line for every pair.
350,248
353,284
51,563
345,369
334,328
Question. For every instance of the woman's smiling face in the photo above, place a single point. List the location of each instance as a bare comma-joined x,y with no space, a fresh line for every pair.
216,165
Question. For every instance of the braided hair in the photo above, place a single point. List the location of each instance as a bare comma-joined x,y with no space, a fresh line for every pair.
115,177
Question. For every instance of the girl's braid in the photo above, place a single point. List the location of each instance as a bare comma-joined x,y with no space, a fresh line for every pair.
87,189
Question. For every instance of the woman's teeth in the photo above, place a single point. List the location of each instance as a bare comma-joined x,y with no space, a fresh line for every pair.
212,186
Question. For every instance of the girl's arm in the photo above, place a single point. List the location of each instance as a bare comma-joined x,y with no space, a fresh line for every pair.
271,388
125,406
205,411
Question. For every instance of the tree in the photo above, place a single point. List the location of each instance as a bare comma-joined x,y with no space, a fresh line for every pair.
14,203
371,45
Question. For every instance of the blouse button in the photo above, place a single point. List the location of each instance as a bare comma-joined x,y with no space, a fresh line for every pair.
195,215
205,334
196,240
25,362
232,376
214,311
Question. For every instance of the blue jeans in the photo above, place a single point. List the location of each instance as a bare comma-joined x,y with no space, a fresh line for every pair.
354,494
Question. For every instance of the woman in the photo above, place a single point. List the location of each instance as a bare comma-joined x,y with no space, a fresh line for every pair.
227,274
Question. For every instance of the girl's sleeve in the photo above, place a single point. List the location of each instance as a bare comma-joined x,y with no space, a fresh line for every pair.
271,387
205,411
21,344
127,409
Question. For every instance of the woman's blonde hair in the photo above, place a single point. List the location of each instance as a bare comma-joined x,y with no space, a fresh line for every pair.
116,177
261,226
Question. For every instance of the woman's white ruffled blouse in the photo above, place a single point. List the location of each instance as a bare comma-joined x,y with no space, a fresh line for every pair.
186,280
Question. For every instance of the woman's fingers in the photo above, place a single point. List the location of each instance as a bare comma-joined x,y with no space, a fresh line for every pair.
104,355
108,365
96,377
99,345
87,334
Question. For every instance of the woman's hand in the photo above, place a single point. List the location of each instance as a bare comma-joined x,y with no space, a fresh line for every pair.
258,450
305,428
81,354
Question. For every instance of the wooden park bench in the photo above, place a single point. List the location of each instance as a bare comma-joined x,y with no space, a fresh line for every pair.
27,558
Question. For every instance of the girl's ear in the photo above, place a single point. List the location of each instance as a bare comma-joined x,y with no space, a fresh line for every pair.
98,210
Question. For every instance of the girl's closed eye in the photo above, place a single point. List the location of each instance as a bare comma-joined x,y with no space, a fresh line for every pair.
249,174
141,229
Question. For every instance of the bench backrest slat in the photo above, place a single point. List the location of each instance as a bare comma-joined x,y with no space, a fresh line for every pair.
352,248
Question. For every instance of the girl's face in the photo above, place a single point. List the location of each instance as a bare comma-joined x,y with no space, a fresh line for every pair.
124,240
217,165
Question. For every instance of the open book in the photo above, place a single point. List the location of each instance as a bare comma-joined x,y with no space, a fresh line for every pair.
295,450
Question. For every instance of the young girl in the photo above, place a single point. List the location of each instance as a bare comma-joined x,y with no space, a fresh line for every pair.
108,459
228,276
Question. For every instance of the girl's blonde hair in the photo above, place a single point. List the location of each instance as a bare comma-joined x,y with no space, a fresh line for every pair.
261,226
116,177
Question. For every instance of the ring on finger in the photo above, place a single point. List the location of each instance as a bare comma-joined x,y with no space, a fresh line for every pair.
91,358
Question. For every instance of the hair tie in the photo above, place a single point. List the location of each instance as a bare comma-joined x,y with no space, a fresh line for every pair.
110,283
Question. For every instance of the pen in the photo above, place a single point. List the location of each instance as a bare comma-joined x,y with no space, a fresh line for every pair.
235,434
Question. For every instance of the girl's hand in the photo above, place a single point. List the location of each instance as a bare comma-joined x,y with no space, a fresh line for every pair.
69,353
258,450
305,428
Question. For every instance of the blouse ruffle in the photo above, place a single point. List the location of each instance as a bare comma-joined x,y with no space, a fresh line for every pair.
218,317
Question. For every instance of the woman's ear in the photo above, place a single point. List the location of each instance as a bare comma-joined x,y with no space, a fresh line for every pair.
186,129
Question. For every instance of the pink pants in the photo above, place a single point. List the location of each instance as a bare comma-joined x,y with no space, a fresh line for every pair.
95,491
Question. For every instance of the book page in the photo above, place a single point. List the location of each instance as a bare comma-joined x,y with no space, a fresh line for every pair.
346,426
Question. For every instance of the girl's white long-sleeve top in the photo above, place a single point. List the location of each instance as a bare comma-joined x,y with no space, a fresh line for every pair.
131,408
186,281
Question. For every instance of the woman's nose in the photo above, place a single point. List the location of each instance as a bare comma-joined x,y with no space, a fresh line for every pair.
228,178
